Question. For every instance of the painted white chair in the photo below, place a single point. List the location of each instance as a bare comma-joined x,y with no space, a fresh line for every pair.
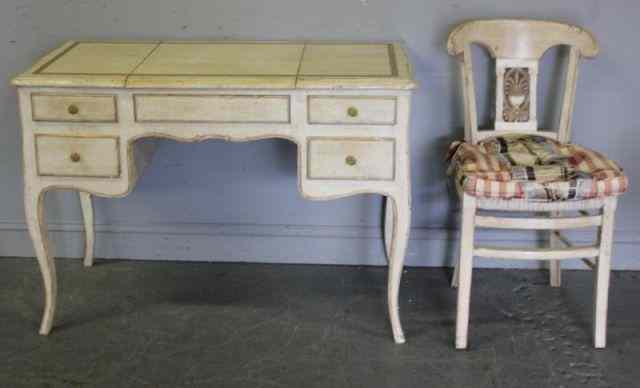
517,46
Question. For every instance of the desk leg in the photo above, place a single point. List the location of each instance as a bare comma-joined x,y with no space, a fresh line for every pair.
400,220
34,212
89,233
389,221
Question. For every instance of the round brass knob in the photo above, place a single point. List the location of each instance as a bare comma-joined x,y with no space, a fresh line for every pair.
75,157
73,109
351,160
352,111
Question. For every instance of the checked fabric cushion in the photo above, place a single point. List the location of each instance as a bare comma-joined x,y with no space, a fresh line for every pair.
534,168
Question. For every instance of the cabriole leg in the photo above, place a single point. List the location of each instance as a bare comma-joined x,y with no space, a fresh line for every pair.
397,247
34,212
389,220
89,233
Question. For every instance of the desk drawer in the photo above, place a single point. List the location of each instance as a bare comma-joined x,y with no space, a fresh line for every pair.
351,159
352,110
73,156
212,108
74,108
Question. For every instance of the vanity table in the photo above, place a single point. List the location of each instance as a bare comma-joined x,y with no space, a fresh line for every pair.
345,105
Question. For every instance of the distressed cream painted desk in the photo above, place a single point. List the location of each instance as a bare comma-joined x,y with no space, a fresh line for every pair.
345,105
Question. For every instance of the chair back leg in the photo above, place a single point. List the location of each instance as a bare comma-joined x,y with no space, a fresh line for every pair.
555,272
555,266
456,270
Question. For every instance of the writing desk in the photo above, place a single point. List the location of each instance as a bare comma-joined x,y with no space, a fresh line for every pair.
345,105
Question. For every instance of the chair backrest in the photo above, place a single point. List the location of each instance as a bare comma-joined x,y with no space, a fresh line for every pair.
517,46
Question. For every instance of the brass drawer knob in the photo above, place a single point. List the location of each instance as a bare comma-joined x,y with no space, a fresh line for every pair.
351,160
75,157
352,111
73,109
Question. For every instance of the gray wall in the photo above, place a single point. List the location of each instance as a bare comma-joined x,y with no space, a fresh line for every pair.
230,201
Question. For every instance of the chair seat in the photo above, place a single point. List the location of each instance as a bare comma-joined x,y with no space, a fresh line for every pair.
533,168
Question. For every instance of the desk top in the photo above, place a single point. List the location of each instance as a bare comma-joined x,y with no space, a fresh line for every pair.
223,64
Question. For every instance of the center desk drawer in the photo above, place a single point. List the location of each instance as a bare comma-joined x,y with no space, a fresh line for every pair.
72,156
352,110
74,108
212,108
351,159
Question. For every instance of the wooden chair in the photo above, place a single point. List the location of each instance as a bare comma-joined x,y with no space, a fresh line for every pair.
517,46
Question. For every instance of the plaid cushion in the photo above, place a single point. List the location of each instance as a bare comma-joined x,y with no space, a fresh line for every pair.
533,168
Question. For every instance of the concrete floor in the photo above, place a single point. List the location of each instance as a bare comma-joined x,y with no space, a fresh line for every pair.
162,324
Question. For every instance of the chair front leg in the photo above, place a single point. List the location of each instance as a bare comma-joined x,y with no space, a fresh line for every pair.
601,274
465,267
